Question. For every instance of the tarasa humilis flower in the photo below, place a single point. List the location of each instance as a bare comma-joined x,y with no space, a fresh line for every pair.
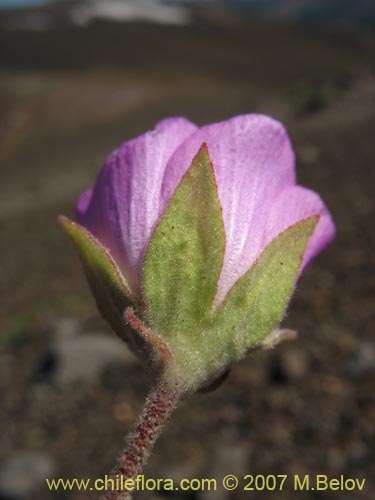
192,240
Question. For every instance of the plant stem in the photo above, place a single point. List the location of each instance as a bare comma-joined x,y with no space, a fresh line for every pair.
160,404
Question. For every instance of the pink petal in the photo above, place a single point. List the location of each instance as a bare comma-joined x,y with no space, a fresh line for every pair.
124,206
83,203
296,203
253,162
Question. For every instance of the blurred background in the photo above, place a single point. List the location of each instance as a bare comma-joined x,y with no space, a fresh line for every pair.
76,79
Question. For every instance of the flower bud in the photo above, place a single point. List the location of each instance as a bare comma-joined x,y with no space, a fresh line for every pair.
193,239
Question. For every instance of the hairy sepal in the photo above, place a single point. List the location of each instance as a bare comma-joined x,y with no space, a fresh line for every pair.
113,296
257,302
182,268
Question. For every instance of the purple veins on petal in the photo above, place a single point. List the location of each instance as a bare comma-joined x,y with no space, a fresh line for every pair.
124,205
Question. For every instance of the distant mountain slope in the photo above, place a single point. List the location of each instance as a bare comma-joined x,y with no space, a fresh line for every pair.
348,13
352,14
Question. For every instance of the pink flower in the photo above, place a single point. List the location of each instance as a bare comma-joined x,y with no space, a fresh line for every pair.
254,168
192,240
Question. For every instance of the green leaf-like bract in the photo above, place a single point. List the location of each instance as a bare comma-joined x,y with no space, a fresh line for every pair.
256,303
117,304
185,255
106,281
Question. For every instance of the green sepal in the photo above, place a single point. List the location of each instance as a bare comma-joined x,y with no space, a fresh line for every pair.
107,283
185,255
117,304
256,303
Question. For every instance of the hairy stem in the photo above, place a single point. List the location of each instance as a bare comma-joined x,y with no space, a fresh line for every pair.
159,406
